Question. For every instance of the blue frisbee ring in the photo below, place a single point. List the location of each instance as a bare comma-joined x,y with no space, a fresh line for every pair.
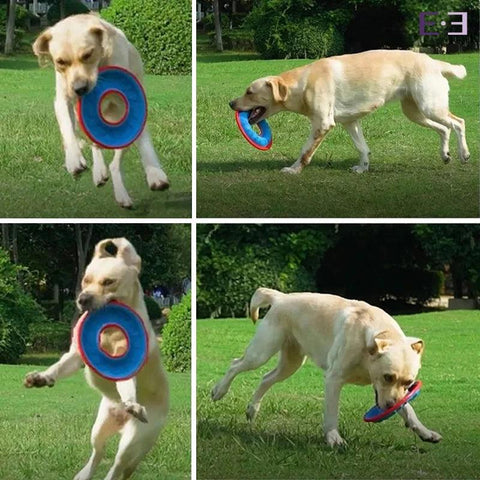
107,134
90,328
262,140
377,414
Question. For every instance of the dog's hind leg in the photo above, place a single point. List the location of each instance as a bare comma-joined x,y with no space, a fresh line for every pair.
355,131
411,111
106,425
137,439
267,341
156,177
412,422
290,360
121,194
100,170
318,133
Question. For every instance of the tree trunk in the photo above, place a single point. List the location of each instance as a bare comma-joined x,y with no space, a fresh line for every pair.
15,244
10,33
5,237
218,26
82,250
62,10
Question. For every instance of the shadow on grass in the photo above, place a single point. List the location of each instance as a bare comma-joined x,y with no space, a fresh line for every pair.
45,359
226,57
272,165
18,63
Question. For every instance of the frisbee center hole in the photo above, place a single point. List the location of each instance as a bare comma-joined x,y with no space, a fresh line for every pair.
113,341
113,107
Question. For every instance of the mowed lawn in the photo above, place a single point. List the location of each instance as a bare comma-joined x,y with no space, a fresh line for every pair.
286,440
407,176
45,433
33,179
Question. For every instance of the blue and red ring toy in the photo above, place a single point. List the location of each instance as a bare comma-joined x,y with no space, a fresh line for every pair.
105,133
262,140
89,330
377,414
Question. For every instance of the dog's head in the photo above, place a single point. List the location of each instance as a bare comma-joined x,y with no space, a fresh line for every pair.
111,275
394,362
263,98
77,46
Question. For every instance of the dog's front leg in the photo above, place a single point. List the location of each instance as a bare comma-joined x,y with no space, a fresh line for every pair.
333,386
317,134
412,422
127,390
66,366
74,161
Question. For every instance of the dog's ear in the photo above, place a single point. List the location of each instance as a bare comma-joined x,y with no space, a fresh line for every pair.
104,35
106,248
127,252
378,343
279,89
416,344
40,46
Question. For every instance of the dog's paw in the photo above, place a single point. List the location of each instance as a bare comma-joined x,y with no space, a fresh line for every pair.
75,162
291,170
137,410
38,379
431,436
359,169
446,157
334,439
156,179
100,176
217,393
465,156
252,411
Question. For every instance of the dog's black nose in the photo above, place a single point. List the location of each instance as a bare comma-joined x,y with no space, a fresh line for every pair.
232,104
84,301
81,90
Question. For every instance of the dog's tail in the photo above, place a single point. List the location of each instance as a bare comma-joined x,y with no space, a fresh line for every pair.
449,70
262,298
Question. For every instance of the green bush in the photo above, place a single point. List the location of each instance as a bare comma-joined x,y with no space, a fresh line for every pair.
72,7
288,29
49,337
17,310
153,308
177,337
159,29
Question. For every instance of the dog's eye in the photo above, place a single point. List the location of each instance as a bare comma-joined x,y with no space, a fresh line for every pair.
388,378
86,56
106,282
61,62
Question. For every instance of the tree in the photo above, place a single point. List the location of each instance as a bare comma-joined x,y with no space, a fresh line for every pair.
218,26
10,30
456,247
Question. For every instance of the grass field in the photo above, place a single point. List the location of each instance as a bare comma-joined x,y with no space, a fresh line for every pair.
45,433
286,441
33,179
407,177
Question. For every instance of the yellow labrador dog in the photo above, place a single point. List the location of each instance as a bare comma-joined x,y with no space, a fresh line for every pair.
78,46
344,89
136,408
351,341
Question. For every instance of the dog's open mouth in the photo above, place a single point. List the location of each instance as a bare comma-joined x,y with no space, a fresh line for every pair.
256,114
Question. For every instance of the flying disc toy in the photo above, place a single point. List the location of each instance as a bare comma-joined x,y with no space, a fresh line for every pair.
114,315
124,85
262,140
377,414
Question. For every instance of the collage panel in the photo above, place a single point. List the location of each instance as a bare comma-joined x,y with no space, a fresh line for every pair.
114,77
264,408
290,75
115,298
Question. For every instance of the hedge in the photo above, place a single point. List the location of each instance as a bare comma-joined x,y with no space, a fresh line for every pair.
159,29
177,337
49,337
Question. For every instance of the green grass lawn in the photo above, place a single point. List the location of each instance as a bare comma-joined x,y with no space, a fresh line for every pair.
45,433
286,441
33,179
407,176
